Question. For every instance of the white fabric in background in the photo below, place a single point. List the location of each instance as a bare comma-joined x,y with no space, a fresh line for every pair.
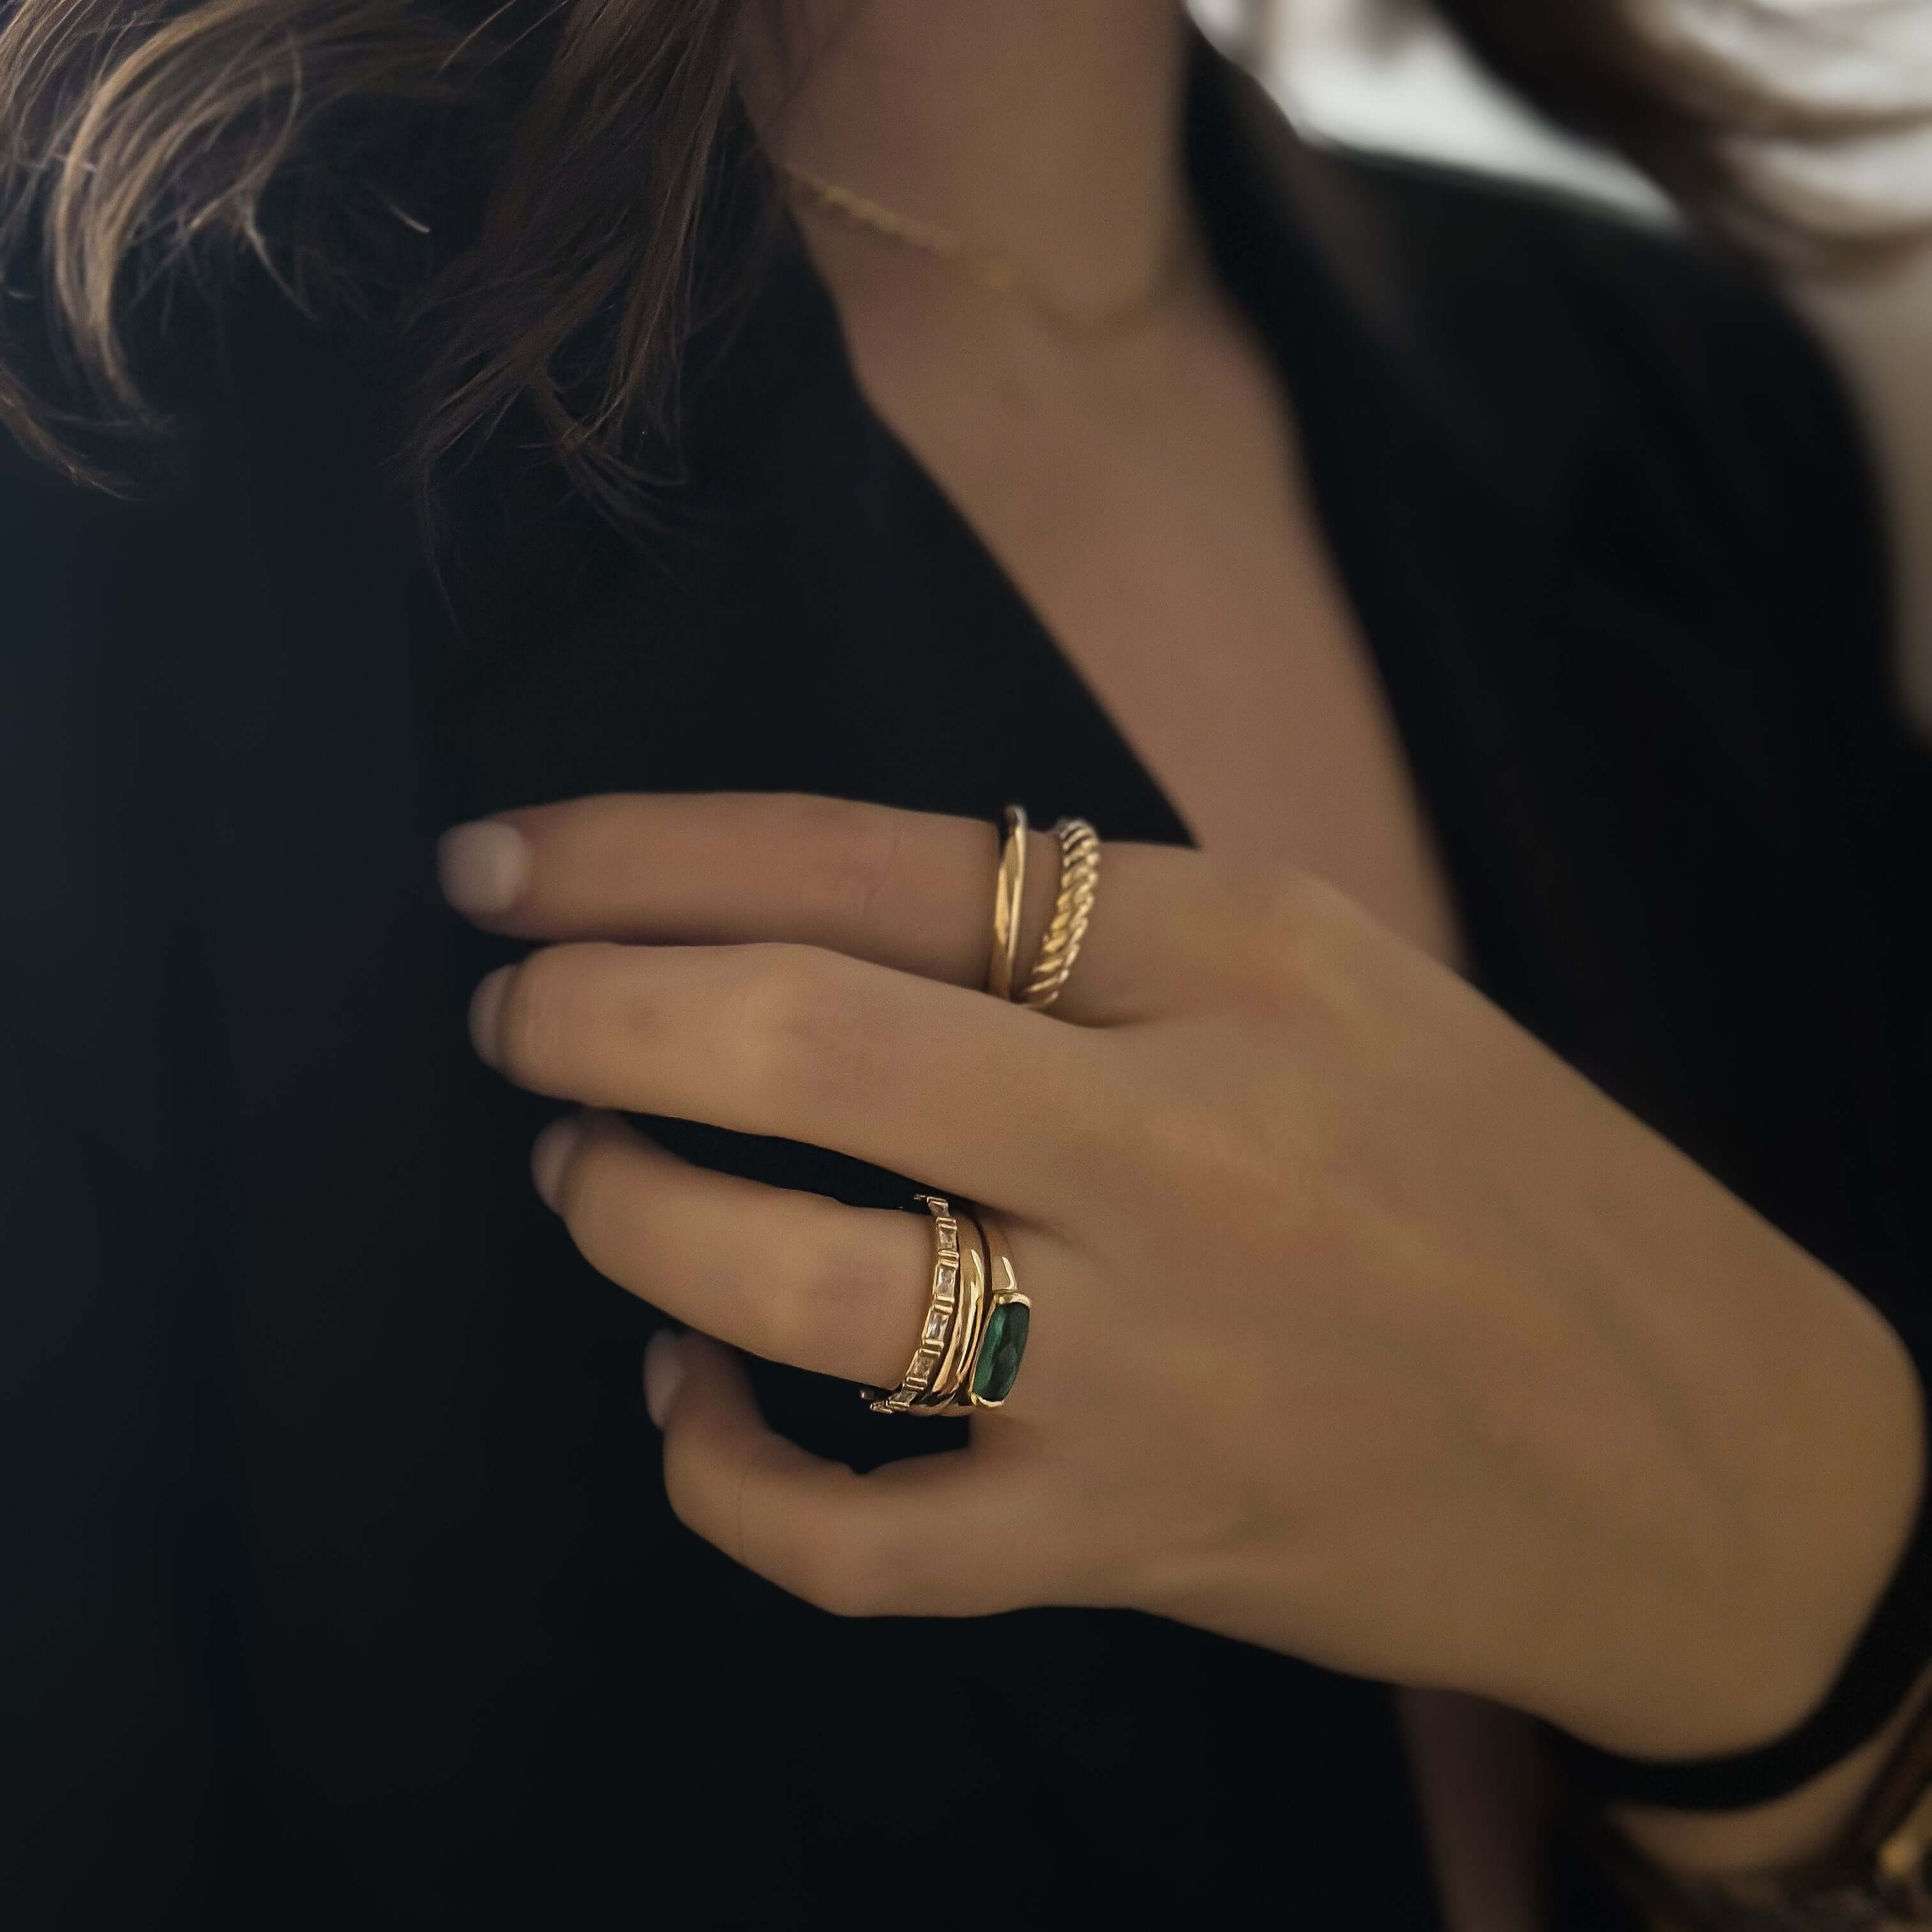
1852,55
1385,74
1828,57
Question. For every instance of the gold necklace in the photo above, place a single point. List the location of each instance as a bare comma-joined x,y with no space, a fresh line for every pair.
985,267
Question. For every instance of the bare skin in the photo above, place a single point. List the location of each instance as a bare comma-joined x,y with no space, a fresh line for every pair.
1140,492
1143,491
1475,1383
1191,521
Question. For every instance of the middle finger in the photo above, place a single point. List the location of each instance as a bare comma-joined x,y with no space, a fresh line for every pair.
813,1046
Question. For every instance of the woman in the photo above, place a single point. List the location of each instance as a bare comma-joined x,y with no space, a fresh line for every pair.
1087,443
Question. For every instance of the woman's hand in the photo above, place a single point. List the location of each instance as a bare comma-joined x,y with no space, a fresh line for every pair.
1363,1328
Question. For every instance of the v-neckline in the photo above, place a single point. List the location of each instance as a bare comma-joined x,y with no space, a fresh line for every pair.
1340,368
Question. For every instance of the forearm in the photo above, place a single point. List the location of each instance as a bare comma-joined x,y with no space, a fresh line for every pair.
1750,1434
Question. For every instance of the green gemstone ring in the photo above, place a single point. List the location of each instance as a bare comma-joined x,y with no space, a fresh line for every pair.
975,1333
1000,1345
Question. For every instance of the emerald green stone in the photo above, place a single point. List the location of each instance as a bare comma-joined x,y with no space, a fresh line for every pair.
999,1363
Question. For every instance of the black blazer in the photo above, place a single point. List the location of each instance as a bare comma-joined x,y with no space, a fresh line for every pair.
341,1590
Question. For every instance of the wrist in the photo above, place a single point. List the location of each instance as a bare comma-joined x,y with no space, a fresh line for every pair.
1805,1534
1849,1841
1794,1829
1786,1800
1836,1532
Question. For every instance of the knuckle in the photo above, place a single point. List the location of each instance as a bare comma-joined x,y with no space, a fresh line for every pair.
535,1023
865,853
854,854
684,1491
856,1575
783,1019
1278,925
570,1017
830,1312
586,1206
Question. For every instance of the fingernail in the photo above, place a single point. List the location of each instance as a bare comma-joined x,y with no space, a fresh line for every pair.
550,1155
484,867
663,1373
486,1006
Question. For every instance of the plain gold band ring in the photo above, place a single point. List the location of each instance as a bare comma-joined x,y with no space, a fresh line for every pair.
1009,900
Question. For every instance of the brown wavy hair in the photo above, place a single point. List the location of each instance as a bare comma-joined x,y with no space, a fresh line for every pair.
147,139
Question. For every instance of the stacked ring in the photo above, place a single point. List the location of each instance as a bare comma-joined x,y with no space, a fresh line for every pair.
975,1332
1008,900
1073,910
952,1380
974,1335
1000,1344
941,1317
1079,880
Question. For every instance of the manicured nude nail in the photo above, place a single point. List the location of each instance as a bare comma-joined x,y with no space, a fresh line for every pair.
486,1007
550,1155
664,1373
484,867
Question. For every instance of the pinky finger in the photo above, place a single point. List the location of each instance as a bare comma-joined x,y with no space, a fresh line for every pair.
922,1537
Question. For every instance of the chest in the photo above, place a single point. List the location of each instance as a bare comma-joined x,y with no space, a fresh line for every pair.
1153,515
953,602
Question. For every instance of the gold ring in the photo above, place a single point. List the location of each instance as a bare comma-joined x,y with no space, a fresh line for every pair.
940,1317
1079,879
1009,899
975,1328
1000,1346
953,1379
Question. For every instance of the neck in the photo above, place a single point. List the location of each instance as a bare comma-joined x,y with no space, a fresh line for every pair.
1048,131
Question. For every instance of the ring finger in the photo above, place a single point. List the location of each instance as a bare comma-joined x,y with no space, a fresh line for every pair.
792,1276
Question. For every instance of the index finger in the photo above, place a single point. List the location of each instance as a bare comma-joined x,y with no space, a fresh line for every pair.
908,890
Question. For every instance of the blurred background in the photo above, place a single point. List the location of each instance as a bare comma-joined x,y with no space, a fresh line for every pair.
1386,75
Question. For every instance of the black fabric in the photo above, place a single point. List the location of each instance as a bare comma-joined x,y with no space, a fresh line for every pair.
340,1587
1870,1688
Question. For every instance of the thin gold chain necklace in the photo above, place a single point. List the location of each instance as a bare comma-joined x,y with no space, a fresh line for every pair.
1000,274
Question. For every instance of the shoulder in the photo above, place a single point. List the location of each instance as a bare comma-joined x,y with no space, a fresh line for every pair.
270,479
1698,506
1693,491
1664,429
1572,325
1588,369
